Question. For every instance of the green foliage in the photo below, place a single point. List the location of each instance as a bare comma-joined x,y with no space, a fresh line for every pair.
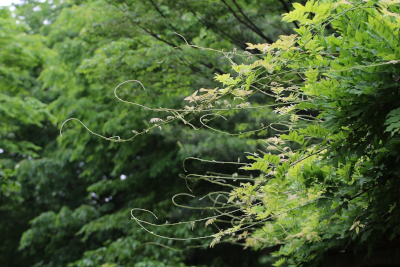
67,200
20,56
337,172
22,114
323,101
393,121
335,152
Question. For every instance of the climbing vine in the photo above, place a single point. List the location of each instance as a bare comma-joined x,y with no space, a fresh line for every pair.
328,178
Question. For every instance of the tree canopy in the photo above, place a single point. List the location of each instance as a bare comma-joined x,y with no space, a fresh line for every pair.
288,131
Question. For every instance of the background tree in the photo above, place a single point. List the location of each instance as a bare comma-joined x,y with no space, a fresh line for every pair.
77,191
23,124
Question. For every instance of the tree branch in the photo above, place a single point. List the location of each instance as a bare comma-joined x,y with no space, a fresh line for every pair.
249,20
221,33
285,6
158,38
244,23
162,14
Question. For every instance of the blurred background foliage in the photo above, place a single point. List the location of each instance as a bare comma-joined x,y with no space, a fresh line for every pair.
66,201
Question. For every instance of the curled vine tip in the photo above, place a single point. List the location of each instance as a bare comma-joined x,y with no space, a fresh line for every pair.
62,125
134,218
132,103
182,38
214,114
